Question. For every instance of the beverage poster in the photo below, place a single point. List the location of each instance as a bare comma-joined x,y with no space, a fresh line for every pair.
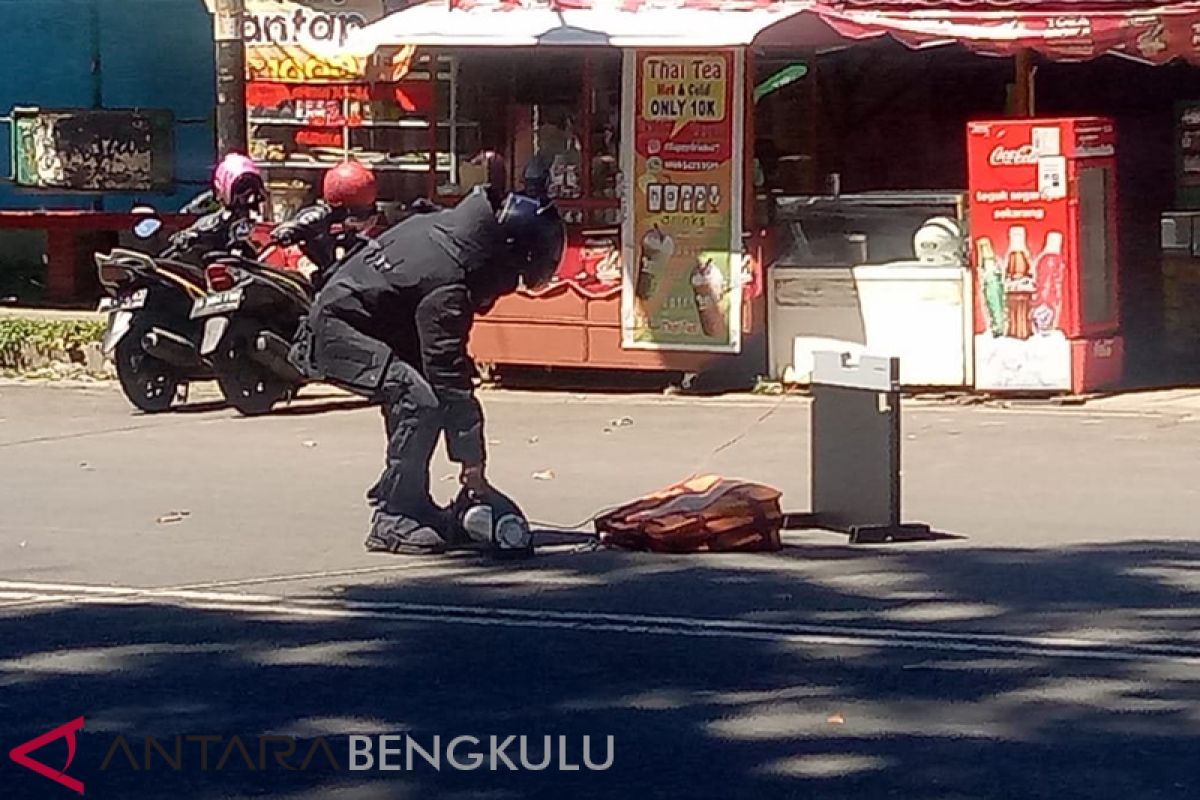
1023,251
682,287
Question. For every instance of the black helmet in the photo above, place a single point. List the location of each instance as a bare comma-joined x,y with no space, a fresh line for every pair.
536,236
536,178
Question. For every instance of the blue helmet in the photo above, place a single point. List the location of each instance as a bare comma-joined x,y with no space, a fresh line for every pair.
536,237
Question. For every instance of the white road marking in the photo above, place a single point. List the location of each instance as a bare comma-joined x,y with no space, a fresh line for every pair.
809,634
36,593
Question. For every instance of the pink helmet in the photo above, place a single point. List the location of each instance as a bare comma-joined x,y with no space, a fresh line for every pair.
237,181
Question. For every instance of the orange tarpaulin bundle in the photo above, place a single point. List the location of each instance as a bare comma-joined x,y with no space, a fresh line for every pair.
708,513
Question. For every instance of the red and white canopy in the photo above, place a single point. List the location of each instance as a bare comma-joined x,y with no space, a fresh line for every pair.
1152,34
1072,30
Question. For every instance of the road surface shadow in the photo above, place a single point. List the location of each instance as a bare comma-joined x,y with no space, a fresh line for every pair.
695,712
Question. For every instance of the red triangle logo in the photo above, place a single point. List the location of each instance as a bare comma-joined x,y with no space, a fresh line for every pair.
20,754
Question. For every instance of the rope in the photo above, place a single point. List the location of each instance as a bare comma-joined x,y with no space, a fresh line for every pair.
578,527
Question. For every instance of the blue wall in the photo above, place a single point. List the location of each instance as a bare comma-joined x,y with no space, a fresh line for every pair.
152,54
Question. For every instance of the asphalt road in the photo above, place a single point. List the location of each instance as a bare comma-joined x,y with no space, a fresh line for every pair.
199,575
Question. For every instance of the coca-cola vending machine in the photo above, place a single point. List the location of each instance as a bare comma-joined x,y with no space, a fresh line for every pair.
1043,222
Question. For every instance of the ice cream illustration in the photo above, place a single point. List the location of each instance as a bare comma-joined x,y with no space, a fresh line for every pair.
657,249
708,287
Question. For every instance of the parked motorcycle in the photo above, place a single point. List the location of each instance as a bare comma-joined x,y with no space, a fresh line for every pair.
249,317
254,308
151,335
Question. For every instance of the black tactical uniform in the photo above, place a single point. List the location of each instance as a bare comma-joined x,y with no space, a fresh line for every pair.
392,324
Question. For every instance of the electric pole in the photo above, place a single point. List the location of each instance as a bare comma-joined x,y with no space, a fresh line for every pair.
231,76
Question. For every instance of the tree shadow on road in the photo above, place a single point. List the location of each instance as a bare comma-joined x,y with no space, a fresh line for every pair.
824,671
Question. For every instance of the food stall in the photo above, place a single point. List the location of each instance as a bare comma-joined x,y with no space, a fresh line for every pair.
643,121
609,95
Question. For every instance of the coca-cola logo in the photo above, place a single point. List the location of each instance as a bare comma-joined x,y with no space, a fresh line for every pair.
1013,157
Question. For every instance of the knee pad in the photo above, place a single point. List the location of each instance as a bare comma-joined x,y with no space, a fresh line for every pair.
406,394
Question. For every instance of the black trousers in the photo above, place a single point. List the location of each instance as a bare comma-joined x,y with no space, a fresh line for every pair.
413,422
331,350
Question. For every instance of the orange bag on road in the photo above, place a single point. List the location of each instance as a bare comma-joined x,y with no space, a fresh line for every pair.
704,514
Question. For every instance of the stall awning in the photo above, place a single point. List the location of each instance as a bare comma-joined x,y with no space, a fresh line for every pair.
1040,6
500,23
1068,30
1153,35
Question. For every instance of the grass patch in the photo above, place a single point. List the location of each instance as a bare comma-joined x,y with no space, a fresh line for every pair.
27,343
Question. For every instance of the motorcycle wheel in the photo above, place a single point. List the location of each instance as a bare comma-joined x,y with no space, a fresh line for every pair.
150,384
249,387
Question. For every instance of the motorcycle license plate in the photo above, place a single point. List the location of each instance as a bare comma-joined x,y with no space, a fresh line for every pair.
217,303
125,302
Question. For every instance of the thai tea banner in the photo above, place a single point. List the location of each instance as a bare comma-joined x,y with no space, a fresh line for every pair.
682,288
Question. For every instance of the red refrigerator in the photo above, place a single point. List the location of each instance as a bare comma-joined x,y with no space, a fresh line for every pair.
1043,222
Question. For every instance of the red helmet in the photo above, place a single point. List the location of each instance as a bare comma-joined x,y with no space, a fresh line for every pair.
351,185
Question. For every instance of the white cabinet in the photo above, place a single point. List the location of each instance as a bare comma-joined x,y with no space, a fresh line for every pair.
921,314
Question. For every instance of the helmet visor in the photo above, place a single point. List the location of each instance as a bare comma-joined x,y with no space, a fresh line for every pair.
536,236
548,244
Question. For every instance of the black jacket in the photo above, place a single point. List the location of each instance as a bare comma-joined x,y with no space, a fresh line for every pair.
414,292
318,231
213,232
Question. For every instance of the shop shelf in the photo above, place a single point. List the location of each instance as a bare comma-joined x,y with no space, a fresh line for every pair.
414,124
323,165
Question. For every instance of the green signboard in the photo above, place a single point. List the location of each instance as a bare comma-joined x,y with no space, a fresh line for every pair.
93,150
1187,155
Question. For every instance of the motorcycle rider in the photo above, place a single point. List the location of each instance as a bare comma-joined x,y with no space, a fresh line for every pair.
238,187
331,229
393,323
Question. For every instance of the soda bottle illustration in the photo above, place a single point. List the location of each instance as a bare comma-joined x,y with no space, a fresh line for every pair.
1049,273
992,282
1019,285
708,287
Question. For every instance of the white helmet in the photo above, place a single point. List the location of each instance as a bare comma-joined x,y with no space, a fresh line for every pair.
939,241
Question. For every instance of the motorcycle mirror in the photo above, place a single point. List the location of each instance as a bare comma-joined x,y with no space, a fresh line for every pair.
145,228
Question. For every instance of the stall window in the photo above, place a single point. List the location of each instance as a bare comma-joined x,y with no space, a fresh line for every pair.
470,96
561,108
785,115
604,145
421,134
548,123
298,131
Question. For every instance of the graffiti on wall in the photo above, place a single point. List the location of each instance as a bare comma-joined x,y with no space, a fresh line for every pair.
92,149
